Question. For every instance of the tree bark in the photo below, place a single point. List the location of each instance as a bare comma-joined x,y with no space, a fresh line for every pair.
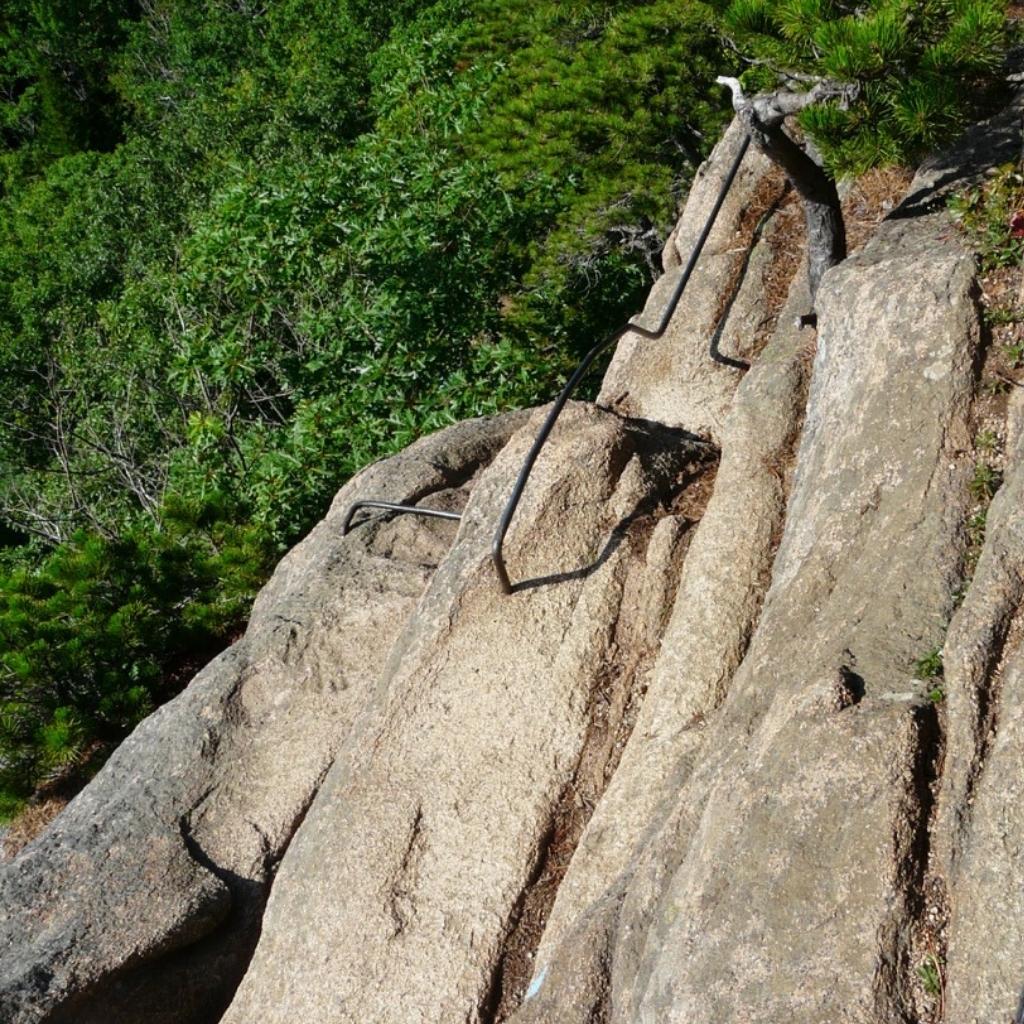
764,116
826,232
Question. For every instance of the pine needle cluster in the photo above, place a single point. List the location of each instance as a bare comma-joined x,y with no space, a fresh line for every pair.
919,68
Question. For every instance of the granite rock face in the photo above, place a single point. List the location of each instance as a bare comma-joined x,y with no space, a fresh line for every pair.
789,863
981,810
430,825
687,377
685,772
143,901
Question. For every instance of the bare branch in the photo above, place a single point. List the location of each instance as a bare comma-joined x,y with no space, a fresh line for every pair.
772,108
763,115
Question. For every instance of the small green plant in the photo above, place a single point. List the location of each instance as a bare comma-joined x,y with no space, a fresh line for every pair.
936,694
986,441
931,976
929,666
976,528
985,482
1002,315
993,215
993,386
1015,355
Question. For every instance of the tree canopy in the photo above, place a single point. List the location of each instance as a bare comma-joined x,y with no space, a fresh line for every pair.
247,248
911,71
868,84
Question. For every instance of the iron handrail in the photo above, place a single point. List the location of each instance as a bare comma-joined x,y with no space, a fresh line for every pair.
392,506
497,545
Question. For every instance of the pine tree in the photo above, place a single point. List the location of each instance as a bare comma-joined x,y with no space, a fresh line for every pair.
868,83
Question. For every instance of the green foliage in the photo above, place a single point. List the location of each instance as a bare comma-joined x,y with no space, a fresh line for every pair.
919,67
931,976
985,482
283,241
986,441
98,633
55,94
929,666
1002,315
993,215
610,105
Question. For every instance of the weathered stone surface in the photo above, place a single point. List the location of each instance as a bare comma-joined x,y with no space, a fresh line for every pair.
685,769
143,900
422,842
980,849
674,379
725,576
776,879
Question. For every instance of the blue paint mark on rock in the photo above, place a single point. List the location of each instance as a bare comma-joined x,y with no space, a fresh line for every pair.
538,980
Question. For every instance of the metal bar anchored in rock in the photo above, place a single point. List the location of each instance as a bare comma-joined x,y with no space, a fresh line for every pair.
391,506
497,546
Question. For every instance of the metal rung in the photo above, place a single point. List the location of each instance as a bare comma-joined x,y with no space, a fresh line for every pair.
391,506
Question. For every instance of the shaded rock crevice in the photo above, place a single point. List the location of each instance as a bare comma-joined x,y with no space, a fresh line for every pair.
402,886
755,305
660,542
978,652
528,913
996,651
988,626
916,940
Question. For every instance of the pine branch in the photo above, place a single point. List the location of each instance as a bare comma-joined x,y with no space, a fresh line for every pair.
772,108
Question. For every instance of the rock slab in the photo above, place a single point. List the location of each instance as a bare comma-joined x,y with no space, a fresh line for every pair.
143,900
430,826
